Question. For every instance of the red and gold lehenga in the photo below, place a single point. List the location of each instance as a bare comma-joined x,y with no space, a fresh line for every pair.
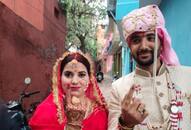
51,113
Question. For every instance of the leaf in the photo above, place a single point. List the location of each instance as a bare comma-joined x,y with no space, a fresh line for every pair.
82,17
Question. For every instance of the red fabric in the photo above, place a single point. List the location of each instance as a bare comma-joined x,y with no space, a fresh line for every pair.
96,121
45,118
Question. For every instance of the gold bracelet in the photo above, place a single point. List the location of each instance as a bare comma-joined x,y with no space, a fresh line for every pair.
122,125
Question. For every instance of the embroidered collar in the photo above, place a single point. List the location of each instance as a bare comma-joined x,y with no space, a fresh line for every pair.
145,73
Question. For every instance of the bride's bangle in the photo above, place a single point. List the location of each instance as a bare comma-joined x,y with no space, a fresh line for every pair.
122,125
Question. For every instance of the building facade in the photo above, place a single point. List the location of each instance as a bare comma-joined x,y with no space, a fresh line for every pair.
32,35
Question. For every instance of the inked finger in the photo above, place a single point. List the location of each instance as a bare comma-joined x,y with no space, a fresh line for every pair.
128,97
136,103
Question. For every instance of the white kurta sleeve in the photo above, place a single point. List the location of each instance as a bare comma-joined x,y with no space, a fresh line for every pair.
114,110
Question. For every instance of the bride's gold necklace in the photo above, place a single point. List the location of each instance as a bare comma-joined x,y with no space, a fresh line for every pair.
76,115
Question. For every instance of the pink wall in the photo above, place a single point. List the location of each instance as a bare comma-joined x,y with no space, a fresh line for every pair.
30,10
27,51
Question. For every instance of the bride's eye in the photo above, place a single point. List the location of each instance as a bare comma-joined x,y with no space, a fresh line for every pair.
68,74
82,74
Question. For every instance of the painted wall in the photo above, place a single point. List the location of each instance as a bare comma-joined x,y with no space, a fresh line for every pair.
178,23
147,2
32,11
27,51
125,6
125,59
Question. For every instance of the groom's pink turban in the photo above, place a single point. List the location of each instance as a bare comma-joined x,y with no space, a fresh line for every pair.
150,18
